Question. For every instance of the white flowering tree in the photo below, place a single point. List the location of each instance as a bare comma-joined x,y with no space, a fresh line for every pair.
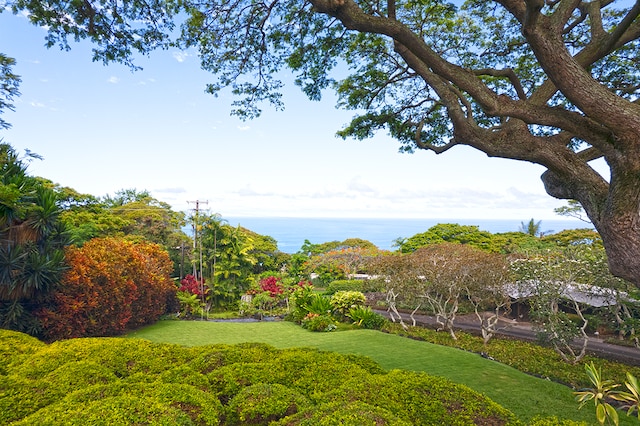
438,277
487,292
554,285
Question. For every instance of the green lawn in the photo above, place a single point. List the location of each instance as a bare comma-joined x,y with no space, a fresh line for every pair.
525,395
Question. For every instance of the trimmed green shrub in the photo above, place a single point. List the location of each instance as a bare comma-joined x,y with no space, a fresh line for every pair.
264,402
183,374
107,381
16,346
206,359
123,409
344,285
291,368
132,403
424,399
226,382
343,301
20,397
339,413
313,372
123,357
363,316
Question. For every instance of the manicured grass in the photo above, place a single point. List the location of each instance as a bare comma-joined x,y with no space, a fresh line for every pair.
525,395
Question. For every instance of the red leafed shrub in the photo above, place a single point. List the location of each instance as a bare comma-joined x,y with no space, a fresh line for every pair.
273,285
190,284
112,285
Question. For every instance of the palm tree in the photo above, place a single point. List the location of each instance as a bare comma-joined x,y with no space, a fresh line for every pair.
234,258
532,227
31,241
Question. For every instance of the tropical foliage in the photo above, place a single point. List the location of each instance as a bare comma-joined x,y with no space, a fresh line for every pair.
32,239
112,285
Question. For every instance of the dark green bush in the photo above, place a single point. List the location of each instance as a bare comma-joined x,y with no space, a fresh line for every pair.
344,285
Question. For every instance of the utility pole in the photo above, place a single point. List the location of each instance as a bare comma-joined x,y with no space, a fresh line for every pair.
195,242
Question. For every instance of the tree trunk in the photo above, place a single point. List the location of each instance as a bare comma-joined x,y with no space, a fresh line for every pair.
618,220
621,238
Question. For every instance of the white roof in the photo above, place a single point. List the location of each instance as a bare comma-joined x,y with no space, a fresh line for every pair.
582,293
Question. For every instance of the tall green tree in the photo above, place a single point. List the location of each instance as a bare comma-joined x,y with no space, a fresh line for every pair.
229,257
32,239
554,83
131,213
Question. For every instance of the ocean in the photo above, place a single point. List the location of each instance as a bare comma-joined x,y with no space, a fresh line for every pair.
290,233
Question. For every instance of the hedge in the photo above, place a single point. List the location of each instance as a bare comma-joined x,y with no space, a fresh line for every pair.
107,381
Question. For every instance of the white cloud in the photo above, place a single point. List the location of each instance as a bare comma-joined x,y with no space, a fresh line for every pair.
180,56
176,190
357,184
37,104
113,80
249,191
244,128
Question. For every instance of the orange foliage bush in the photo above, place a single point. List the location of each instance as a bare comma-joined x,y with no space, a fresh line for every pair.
112,285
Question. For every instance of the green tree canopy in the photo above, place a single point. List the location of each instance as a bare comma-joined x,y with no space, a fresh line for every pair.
450,233
504,242
9,83
554,83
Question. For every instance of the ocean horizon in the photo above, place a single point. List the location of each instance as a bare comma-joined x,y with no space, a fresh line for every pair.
291,232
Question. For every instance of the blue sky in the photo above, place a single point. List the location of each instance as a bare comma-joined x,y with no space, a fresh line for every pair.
103,128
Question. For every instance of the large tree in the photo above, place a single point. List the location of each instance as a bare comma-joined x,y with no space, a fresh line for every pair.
552,82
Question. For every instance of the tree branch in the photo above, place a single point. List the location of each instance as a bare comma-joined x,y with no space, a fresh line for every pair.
438,149
506,72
